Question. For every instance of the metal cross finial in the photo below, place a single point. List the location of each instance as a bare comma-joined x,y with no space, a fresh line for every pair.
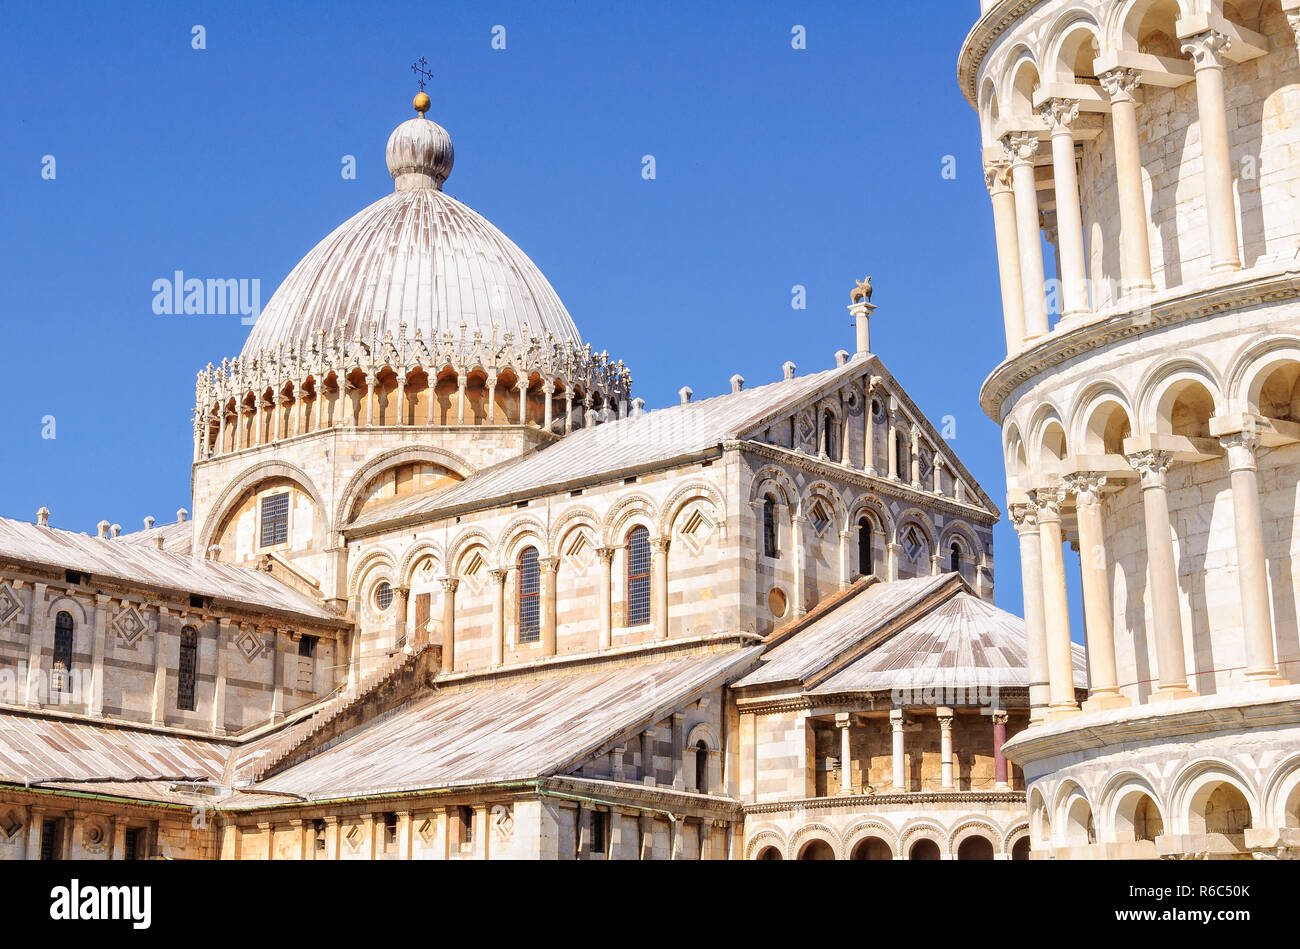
421,73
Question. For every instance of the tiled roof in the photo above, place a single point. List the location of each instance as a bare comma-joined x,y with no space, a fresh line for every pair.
132,563
177,538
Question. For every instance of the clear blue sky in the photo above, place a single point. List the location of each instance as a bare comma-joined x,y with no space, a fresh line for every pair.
775,167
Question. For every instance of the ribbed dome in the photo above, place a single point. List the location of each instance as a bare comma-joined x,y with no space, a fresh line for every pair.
416,257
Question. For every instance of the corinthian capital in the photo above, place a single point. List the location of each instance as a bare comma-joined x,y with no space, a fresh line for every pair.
1241,448
1152,467
1021,147
1024,517
1047,502
1120,84
997,177
1086,487
1060,114
1294,20
1207,49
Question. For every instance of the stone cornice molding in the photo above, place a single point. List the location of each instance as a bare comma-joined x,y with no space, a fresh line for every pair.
1109,328
986,31
842,801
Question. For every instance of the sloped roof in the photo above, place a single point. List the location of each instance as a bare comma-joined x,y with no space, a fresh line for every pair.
177,538
960,643
132,563
504,730
823,640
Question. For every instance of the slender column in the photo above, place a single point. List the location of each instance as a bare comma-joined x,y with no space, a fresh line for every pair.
370,399
1206,50
1021,149
797,548
1135,264
158,709
277,675
219,689
916,456
997,176
893,442
846,553
844,722
460,400
1162,570
522,386
550,569
449,585
659,584
1000,782
1056,608
401,596
548,392
896,721
1060,115
40,633
35,827
891,560
492,399
648,740
606,555
868,429
568,411
401,401
1098,626
1252,564
278,402
498,615
221,431
1024,517
945,716
96,704
939,465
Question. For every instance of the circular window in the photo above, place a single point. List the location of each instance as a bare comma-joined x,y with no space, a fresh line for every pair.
776,603
383,596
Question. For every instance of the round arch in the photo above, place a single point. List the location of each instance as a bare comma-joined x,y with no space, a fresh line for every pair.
371,560
684,495
866,830
812,833
1195,782
418,552
1066,49
364,476
764,839
1158,384
635,507
574,518
522,528
769,477
248,479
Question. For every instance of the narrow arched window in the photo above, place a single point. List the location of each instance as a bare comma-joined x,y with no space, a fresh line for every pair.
187,668
828,436
62,651
702,767
954,558
865,566
530,604
769,526
638,577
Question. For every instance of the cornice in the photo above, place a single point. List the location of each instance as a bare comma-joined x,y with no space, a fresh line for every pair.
843,801
986,31
1108,329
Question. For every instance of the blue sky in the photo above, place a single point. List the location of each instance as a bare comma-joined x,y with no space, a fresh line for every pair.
775,167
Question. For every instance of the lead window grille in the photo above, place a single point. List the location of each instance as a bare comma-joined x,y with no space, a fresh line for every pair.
638,577
275,520
530,588
62,652
186,668
769,527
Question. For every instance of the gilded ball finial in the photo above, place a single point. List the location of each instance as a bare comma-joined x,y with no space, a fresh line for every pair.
421,102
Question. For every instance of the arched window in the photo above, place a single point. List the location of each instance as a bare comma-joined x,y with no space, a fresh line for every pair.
638,577
769,526
530,604
954,557
904,456
186,668
828,436
702,767
62,651
865,566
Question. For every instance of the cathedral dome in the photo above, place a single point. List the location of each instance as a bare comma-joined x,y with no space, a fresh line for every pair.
416,257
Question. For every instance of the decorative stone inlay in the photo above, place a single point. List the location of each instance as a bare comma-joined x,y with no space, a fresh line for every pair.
503,820
10,606
354,837
94,836
129,626
250,645
10,824
427,830
697,531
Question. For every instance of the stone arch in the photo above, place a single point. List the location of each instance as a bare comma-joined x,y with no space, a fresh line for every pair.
575,517
1120,802
248,479
635,507
1048,444
1195,782
1072,816
917,829
1040,818
973,825
875,509
1065,49
815,832
467,538
393,458
1095,426
829,493
1124,25
1252,370
960,533
703,732
1014,454
767,837
419,550
989,111
770,476
1012,837
1021,78
1162,385
868,828
685,494
67,603
525,526
377,558
1282,786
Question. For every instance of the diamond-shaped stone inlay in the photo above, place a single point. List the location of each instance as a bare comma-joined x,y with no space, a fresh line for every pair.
10,605
129,625
427,831
249,644
354,837
10,824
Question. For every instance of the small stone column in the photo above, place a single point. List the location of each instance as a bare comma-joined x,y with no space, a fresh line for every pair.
1206,50
401,596
897,720
1024,517
568,411
460,400
492,399
1135,261
165,625
797,607
1056,607
449,585
1021,149
277,676
868,428
548,392
96,704
1098,626
498,576
679,748
40,632
35,828
522,386
606,555
550,569
219,688
659,582
1252,563
1000,782
648,738
1060,115
844,722
945,716
997,177
1162,570
846,554
891,558
892,447
916,456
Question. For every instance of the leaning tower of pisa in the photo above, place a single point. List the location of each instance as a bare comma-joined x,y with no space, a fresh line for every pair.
1143,164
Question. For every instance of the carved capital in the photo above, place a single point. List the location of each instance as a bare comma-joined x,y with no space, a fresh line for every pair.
1060,114
549,564
1152,467
1024,517
999,718
1021,147
1047,502
1120,84
1242,448
1207,49
659,544
606,554
449,584
1294,20
499,574
1086,487
997,178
